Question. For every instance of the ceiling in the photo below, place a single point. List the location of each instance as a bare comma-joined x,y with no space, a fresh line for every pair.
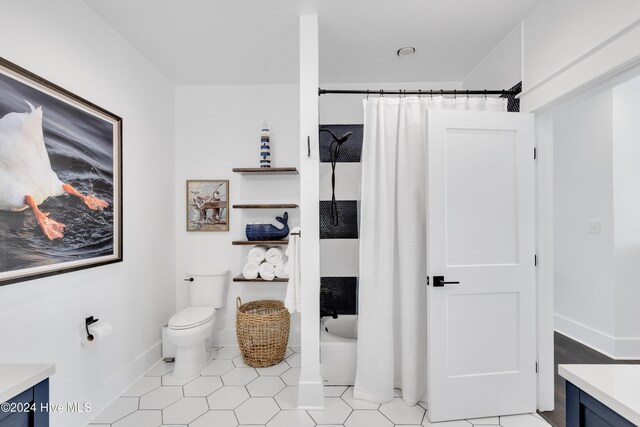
205,42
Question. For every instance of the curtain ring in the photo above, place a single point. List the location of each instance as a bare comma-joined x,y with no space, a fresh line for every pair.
485,94
404,93
431,93
367,93
455,94
399,93
441,92
419,93
467,93
381,93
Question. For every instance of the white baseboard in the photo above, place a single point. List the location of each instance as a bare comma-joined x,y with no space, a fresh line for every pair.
225,338
615,348
311,394
586,335
109,392
627,349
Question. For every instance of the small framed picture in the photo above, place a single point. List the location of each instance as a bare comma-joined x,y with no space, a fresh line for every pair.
207,205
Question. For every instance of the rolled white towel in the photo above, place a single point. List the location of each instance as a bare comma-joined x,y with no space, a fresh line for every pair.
275,256
257,254
251,270
280,271
267,271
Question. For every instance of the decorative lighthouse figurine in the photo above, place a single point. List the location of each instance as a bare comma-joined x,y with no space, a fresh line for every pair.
265,146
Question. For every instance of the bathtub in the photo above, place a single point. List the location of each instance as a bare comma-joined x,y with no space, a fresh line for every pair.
339,349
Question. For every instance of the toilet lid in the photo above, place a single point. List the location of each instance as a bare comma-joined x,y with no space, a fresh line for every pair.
191,317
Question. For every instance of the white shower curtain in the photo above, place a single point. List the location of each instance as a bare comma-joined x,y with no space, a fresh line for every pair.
392,328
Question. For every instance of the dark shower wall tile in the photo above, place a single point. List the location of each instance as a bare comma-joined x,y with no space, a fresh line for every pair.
513,104
347,227
350,151
338,295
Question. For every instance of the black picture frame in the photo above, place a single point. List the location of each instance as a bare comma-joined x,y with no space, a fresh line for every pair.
98,170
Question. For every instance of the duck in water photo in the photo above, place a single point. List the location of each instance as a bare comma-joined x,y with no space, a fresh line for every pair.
26,176
60,179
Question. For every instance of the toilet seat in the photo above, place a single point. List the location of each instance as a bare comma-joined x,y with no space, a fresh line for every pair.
191,317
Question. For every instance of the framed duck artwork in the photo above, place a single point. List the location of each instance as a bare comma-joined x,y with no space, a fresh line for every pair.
60,179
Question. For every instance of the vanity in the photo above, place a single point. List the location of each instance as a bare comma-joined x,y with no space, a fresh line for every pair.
24,393
602,395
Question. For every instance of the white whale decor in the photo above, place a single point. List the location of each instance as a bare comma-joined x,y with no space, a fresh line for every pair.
60,205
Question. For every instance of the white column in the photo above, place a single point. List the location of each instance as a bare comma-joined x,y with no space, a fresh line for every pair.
310,392
544,276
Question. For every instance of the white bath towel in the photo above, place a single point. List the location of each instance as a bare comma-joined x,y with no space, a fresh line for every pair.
275,256
257,254
251,270
292,300
280,270
267,271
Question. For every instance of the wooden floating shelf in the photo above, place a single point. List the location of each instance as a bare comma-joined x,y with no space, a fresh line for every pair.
260,242
260,280
266,206
266,171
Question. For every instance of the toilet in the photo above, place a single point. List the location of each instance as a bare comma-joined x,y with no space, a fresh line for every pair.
191,329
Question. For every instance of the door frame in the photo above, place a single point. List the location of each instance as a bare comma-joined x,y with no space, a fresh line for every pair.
544,207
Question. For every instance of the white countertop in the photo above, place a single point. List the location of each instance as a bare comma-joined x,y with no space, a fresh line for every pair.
616,386
17,377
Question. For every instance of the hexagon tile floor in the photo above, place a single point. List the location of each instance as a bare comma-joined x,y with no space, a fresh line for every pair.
229,394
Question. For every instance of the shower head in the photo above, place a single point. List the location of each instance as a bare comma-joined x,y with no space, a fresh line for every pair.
340,140
344,138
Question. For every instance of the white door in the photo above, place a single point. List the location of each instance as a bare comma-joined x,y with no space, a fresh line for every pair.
481,237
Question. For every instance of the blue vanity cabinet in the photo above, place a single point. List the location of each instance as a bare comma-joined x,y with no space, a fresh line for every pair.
585,411
26,409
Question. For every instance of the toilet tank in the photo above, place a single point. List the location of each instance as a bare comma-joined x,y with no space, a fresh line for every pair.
208,288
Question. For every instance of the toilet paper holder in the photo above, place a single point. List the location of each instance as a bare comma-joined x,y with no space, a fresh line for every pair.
87,322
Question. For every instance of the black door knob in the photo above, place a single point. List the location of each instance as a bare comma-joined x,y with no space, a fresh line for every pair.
438,281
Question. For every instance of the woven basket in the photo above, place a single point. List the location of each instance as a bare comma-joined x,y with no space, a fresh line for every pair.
263,332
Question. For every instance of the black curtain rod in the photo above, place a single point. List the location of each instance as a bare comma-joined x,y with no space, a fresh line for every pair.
426,92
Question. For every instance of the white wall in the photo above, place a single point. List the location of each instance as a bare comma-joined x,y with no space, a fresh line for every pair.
584,263
559,32
568,45
596,178
217,129
66,43
502,67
